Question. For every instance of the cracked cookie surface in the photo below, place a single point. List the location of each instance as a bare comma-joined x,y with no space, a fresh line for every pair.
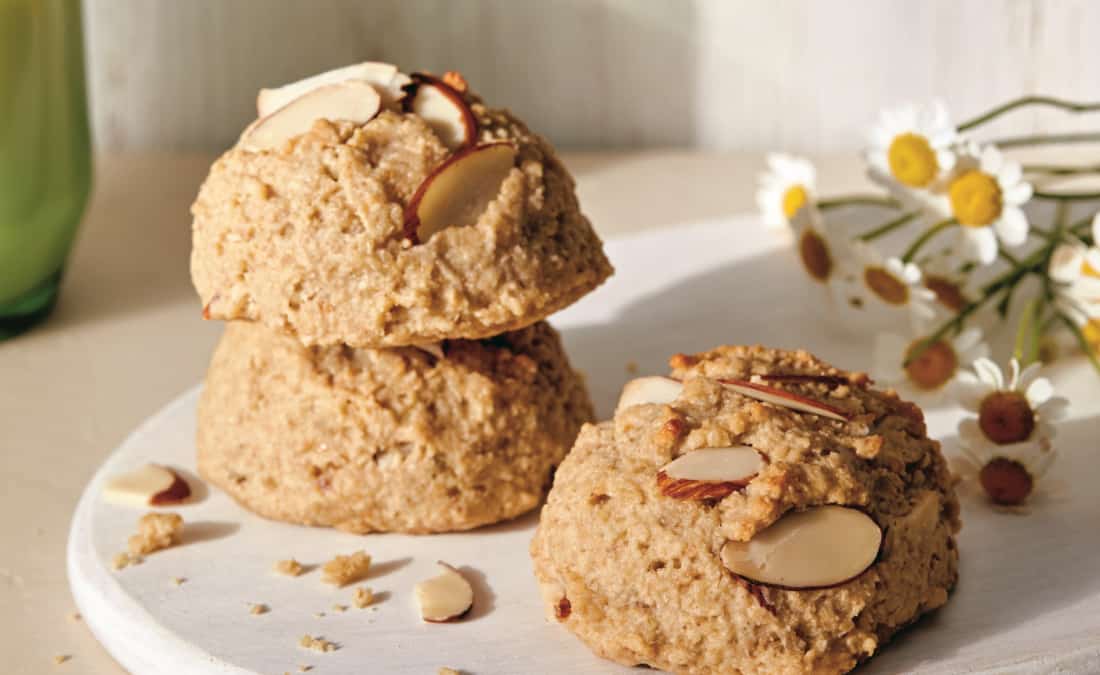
638,576
388,440
309,237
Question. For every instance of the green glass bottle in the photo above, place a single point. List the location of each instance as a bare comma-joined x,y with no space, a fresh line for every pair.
45,153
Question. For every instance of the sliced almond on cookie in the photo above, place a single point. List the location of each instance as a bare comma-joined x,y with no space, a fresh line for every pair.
150,485
650,389
709,473
820,547
385,78
785,399
443,108
352,101
459,190
446,597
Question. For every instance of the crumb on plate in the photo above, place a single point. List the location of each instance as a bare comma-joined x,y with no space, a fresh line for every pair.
156,531
345,569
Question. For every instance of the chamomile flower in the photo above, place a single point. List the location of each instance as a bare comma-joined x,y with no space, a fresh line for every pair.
985,195
824,252
1076,269
934,367
1010,411
950,285
911,149
1008,477
786,188
893,286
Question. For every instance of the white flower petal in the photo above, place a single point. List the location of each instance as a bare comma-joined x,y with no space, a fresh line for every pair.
1019,194
1012,226
1096,229
1039,392
971,437
1055,409
969,390
991,160
989,373
1065,263
979,243
1027,376
1010,175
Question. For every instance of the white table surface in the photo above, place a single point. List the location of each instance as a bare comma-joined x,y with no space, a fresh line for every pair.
127,337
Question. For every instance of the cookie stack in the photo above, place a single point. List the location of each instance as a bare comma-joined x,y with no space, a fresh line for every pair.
386,249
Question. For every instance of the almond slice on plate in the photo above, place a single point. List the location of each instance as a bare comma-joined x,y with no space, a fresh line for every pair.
709,473
786,399
820,547
446,597
352,101
443,108
150,485
459,190
650,389
831,380
385,78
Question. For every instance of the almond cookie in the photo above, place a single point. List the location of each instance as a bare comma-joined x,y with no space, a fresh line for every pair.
757,512
388,440
432,217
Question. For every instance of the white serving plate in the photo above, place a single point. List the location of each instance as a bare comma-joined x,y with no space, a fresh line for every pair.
1028,599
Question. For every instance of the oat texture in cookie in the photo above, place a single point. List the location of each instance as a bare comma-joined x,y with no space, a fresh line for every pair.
392,439
790,523
444,218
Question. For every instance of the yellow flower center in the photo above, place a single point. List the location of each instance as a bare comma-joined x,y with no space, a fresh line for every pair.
885,285
1006,417
934,367
1089,271
794,199
976,199
815,255
912,160
1091,331
948,293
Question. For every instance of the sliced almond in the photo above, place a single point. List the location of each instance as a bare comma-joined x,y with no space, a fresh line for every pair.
830,380
385,78
151,485
352,101
443,108
446,597
786,399
820,547
433,348
650,389
709,473
459,190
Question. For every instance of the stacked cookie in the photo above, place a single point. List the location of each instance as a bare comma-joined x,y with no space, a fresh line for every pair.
386,249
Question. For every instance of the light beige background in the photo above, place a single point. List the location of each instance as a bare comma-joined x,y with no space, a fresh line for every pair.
804,75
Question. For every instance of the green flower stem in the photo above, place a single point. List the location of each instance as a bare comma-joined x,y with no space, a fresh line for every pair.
1084,343
926,237
1026,332
1044,139
1067,196
1058,170
857,200
1004,282
888,227
1023,101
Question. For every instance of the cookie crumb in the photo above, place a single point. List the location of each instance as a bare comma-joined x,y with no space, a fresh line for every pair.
258,608
317,644
156,531
319,615
289,567
449,671
339,608
362,597
304,668
123,560
75,616
632,367
179,581
61,658
345,569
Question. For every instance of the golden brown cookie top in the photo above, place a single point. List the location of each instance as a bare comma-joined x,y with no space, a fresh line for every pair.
390,231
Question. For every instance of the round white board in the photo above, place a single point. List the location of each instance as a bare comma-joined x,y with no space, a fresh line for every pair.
1028,599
